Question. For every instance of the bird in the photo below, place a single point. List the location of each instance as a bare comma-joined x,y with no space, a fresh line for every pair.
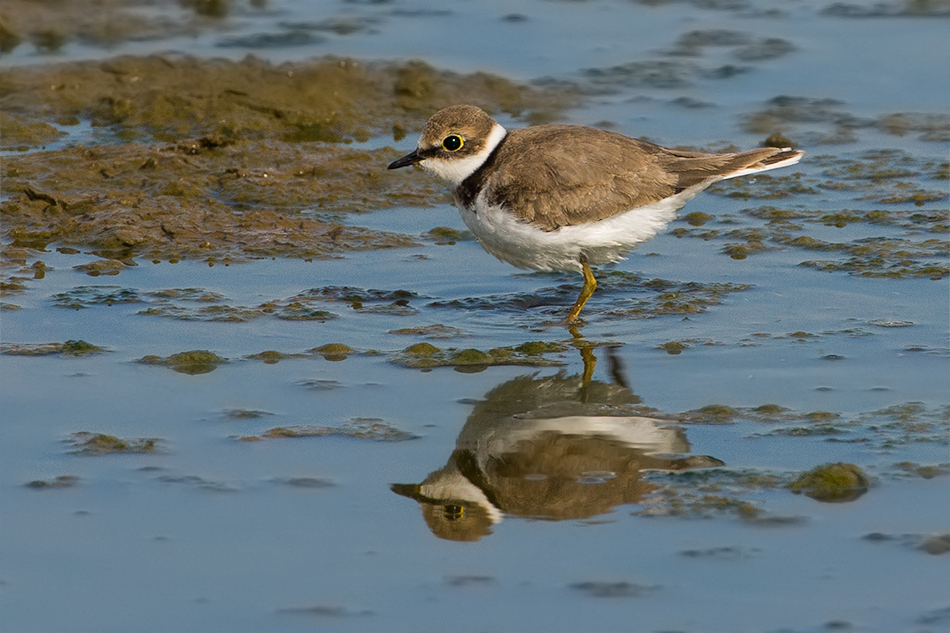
559,197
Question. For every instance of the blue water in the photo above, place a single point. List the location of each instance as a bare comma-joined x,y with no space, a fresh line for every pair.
207,535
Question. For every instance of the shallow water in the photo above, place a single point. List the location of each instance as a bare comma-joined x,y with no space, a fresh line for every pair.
588,522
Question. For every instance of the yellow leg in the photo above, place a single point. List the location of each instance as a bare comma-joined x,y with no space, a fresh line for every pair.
590,285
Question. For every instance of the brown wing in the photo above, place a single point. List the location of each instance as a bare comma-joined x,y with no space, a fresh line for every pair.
562,175
559,175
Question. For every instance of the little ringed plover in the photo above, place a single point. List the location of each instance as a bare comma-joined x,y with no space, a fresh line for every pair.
564,197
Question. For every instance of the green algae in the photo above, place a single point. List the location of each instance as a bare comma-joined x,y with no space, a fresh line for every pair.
908,423
297,311
81,348
12,286
74,348
110,267
784,112
673,348
245,414
86,443
306,482
303,306
193,362
334,352
697,218
685,504
427,356
924,471
765,187
169,97
373,429
61,481
272,357
445,236
199,295
435,331
714,492
356,297
881,177
628,295
885,429
832,483
215,313
712,414
770,410
82,297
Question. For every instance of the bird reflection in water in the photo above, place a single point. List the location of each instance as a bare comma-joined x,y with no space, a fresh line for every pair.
549,447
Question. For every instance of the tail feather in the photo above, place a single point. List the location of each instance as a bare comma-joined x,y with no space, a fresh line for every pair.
779,158
693,168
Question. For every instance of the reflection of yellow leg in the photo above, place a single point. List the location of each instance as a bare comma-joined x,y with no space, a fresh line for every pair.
590,285
590,362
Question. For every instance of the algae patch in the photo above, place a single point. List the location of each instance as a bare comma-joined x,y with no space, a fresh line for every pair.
710,493
85,443
334,352
69,348
61,481
628,295
192,363
836,483
889,190
87,296
373,429
435,331
428,356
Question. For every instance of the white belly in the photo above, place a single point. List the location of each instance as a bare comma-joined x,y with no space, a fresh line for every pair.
526,246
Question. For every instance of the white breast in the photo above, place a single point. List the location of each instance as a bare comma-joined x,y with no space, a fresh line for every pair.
526,246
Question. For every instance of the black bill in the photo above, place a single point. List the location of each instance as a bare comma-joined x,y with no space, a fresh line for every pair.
409,159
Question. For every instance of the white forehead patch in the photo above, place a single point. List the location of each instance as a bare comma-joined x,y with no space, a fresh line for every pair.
456,169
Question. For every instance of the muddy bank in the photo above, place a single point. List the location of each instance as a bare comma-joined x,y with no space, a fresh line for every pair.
222,160
172,97
199,200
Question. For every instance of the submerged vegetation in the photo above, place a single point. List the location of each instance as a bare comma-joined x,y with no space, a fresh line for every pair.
85,443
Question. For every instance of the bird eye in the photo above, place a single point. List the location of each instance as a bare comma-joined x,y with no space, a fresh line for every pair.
453,143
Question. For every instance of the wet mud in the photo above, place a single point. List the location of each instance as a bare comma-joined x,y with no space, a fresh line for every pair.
269,155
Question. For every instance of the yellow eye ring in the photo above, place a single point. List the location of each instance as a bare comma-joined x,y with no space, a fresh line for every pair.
452,143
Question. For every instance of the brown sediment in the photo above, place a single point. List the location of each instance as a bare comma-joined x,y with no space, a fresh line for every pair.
169,98
245,200
221,160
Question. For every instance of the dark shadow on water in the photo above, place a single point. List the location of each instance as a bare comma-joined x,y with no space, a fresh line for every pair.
552,448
